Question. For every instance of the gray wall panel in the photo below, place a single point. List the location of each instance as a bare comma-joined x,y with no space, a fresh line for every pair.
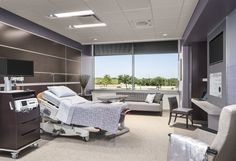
219,67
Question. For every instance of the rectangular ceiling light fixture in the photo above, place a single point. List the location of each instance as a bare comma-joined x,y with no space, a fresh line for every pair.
88,25
72,14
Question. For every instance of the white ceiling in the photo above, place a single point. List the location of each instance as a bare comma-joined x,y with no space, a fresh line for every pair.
167,17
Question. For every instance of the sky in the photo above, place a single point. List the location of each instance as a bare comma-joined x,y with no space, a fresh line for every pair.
146,66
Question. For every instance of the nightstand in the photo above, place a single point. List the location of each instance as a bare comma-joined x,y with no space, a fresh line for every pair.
20,128
87,96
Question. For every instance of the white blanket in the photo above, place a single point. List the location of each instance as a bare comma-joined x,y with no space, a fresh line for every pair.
65,109
182,148
94,114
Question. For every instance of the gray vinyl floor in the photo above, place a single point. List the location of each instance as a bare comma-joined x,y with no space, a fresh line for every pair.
146,141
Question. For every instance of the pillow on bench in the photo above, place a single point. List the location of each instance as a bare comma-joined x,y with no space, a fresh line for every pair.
150,98
158,97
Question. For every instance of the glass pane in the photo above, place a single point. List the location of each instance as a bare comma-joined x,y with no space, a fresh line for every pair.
156,71
113,72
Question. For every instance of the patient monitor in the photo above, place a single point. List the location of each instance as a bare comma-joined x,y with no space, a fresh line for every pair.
25,104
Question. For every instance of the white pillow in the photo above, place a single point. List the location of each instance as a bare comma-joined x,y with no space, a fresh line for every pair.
150,98
61,91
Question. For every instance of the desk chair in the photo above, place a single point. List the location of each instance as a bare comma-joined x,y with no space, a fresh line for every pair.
178,112
222,144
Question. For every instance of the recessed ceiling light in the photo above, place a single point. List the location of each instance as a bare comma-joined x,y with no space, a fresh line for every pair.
72,14
164,35
88,25
95,39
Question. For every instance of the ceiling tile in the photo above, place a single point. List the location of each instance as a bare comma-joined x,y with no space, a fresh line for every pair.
69,5
139,15
112,17
133,4
102,5
166,25
166,12
165,3
145,33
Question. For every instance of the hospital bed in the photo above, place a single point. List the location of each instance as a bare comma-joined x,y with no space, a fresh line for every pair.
61,116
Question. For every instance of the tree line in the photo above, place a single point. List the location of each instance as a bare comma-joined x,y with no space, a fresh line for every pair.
127,79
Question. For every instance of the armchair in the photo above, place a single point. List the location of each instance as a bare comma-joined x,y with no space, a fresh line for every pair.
221,145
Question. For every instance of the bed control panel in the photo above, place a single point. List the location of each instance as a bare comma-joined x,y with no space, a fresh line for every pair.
25,105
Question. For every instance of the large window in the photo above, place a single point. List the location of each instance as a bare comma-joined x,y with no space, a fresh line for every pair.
151,71
109,71
139,66
156,71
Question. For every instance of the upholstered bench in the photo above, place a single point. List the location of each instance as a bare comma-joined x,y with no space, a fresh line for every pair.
136,101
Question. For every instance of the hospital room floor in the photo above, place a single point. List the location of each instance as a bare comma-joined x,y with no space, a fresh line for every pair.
146,141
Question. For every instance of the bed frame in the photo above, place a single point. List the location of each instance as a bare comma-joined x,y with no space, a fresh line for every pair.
50,124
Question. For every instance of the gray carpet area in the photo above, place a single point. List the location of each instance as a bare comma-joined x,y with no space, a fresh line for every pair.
146,141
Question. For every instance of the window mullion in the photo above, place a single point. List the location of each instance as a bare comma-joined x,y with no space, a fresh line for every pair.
133,68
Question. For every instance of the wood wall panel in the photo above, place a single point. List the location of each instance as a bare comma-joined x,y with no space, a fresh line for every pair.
52,61
41,63
199,71
72,78
21,39
199,68
72,54
73,67
75,87
39,78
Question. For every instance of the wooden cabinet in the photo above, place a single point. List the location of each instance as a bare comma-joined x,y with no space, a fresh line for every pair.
17,129
198,71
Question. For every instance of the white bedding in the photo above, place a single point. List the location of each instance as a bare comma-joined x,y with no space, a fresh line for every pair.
75,110
92,114
52,98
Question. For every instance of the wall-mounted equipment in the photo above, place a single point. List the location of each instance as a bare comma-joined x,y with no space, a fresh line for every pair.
216,84
216,49
15,68
25,105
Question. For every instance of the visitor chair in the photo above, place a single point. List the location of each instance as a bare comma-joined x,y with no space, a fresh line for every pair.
178,111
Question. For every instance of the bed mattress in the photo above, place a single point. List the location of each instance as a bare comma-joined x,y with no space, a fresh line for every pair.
52,98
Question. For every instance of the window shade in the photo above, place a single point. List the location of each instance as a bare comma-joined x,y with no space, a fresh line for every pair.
113,49
158,47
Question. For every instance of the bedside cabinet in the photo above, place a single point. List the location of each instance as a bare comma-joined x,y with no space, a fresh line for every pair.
19,121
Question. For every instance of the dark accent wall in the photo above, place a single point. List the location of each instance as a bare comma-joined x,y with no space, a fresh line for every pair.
198,72
53,62
199,68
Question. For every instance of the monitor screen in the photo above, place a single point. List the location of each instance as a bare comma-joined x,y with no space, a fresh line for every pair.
216,50
11,67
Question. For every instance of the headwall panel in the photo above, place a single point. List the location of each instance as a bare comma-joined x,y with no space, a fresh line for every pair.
53,62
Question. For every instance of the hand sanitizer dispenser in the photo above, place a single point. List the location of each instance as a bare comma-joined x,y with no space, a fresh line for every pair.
7,84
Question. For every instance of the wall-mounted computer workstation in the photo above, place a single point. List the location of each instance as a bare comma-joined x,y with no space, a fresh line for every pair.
214,99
